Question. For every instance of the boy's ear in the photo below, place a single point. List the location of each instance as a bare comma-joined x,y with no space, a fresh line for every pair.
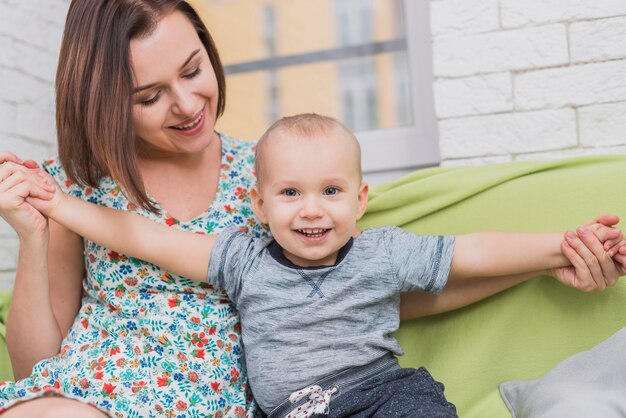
362,200
257,204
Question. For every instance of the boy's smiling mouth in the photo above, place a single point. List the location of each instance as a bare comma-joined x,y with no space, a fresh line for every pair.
313,232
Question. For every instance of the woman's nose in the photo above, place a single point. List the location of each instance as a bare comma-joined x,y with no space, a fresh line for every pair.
184,103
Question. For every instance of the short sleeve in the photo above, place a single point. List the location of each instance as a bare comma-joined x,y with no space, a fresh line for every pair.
420,261
54,168
233,254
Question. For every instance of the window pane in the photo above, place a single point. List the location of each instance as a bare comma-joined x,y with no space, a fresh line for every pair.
344,58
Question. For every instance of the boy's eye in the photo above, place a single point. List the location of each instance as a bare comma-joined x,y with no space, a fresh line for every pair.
331,191
290,192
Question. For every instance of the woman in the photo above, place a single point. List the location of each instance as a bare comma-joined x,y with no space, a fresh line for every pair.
139,88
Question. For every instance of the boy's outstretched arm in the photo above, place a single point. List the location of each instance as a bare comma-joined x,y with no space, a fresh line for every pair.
504,253
488,254
592,268
183,253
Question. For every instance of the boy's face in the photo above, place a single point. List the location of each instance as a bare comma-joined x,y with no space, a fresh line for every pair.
310,195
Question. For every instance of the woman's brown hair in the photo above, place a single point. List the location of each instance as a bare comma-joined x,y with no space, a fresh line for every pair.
94,88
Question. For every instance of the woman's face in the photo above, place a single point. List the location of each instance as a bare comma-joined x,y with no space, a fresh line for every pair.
175,90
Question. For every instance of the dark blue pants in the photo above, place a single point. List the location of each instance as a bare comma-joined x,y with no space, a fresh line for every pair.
402,393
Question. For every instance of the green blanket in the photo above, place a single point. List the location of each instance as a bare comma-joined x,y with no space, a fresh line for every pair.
523,332
520,333
5,363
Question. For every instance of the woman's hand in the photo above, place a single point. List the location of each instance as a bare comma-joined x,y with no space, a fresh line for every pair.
18,181
591,250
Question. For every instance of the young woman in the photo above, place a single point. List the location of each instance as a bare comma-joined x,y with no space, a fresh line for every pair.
139,88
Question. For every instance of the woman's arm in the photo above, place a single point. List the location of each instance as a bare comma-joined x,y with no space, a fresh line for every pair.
46,297
33,329
457,294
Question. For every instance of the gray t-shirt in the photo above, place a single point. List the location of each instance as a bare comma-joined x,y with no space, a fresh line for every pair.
302,324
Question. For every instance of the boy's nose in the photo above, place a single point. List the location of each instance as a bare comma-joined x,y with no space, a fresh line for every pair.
311,208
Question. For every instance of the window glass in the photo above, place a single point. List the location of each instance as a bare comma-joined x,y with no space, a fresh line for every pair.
343,58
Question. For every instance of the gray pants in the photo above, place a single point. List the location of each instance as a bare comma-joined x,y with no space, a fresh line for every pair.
401,393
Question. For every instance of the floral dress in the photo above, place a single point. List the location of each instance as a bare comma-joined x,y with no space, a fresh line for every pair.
147,343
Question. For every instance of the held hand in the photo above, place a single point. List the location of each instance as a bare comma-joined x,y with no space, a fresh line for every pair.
17,182
48,202
590,253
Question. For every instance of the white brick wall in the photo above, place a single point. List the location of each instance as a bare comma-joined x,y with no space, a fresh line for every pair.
529,79
30,36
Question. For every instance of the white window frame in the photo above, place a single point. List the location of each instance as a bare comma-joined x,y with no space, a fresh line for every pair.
389,153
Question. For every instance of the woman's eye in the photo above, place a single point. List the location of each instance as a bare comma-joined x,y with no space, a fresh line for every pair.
331,191
193,73
290,192
150,101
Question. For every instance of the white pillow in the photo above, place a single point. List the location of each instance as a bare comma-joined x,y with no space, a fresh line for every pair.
587,384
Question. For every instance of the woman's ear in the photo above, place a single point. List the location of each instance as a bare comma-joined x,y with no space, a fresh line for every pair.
257,204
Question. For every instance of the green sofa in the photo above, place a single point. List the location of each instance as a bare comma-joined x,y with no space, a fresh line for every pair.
523,332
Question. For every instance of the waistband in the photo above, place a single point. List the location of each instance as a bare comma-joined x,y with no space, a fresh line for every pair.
343,381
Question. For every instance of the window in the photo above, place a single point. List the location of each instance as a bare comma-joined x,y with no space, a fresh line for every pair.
365,62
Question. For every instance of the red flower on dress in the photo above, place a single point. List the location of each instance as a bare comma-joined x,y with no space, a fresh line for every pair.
241,193
199,340
114,256
173,302
234,375
170,221
198,354
98,364
216,387
138,386
108,388
163,381
181,405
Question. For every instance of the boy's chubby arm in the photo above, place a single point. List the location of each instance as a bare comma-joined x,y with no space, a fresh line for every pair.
590,268
183,253
505,253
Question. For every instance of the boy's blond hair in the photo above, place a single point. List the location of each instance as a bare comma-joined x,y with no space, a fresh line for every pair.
304,126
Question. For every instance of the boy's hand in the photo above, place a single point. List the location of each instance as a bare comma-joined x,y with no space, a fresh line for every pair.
47,203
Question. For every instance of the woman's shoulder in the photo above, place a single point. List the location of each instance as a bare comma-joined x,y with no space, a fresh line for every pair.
238,149
238,159
105,189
